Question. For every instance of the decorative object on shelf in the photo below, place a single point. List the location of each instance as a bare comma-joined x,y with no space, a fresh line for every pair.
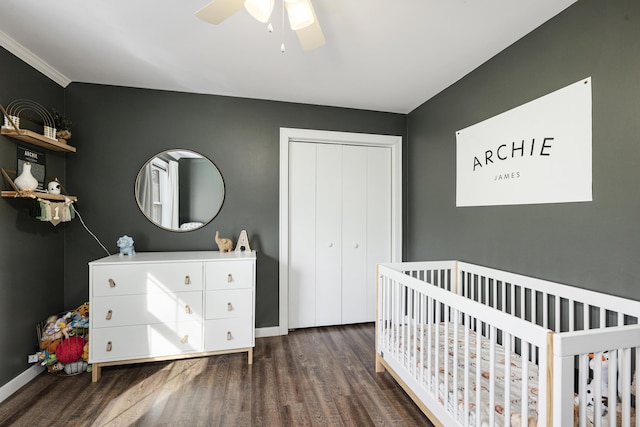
26,181
11,122
125,244
243,242
17,193
47,139
37,160
53,187
224,244
19,106
63,125
53,212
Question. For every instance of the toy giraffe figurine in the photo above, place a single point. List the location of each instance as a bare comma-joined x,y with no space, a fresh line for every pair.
224,245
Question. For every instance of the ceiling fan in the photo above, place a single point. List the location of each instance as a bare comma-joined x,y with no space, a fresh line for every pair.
302,17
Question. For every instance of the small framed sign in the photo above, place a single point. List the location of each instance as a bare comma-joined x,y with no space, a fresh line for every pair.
38,164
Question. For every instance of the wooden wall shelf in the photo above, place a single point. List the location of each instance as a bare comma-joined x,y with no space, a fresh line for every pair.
19,194
38,195
34,138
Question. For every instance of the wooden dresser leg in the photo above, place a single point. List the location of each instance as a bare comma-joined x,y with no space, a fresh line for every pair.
250,356
379,365
95,372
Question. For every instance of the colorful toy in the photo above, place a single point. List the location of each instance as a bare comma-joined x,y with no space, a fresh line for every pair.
82,310
70,349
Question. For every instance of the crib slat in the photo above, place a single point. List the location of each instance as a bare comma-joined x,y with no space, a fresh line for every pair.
455,364
478,376
637,378
597,388
466,371
492,374
571,304
625,390
524,412
445,357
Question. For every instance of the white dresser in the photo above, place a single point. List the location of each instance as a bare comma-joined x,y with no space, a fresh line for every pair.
155,306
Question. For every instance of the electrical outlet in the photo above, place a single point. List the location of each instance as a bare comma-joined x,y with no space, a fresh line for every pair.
33,358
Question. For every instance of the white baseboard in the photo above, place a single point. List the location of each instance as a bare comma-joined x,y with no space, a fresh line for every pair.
15,384
273,331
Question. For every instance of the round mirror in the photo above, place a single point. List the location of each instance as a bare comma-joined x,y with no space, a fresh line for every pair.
179,190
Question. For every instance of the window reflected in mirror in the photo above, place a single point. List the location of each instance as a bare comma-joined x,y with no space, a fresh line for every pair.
179,190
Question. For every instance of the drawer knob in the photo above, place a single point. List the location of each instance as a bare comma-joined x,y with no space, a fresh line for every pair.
184,339
187,309
109,314
109,346
187,280
229,307
112,283
229,278
229,336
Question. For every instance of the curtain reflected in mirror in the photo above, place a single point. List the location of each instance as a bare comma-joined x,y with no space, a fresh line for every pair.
179,190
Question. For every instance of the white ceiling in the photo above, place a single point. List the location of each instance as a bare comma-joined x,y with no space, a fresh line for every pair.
382,55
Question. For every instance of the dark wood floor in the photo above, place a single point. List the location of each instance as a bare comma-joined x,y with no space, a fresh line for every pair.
312,377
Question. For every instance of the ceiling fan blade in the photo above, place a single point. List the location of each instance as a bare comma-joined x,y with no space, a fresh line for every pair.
219,10
311,37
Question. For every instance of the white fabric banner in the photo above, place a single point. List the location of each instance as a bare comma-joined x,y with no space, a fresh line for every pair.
539,152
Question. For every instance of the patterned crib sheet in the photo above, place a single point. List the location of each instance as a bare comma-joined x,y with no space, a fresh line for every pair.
482,362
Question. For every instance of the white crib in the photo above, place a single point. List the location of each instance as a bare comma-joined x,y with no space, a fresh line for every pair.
468,342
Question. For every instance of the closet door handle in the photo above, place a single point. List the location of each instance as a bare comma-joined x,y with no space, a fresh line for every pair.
187,280
229,307
184,339
330,244
109,314
109,346
187,309
356,246
229,336
229,278
112,283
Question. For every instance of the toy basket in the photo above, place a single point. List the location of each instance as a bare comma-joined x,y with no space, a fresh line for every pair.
63,341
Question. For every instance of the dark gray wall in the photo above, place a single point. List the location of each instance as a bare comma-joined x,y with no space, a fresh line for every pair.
592,245
31,252
197,202
116,130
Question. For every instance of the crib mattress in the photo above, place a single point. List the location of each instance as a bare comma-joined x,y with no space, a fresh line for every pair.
424,372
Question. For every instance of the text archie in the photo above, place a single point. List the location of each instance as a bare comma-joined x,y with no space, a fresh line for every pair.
517,149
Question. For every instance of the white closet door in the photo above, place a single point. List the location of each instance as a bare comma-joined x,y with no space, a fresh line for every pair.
339,229
302,236
328,234
354,233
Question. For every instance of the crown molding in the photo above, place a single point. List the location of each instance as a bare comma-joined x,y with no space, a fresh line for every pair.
33,60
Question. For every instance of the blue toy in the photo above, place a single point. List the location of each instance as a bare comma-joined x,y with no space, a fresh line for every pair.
125,243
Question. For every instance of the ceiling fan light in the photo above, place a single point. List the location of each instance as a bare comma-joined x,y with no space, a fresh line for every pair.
300,14
259,9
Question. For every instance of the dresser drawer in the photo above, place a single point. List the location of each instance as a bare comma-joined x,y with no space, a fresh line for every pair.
143,341
124,310
228,304
146,278
227,334
229,275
